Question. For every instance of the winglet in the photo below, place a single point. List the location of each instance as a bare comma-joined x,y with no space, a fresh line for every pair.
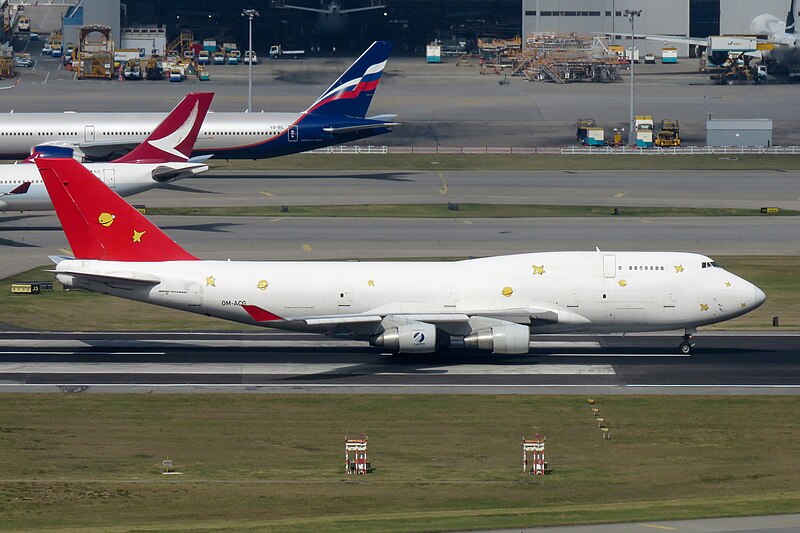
22,188
98,223
352,93
173,140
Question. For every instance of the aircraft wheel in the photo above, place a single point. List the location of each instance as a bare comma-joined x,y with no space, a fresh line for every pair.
685,348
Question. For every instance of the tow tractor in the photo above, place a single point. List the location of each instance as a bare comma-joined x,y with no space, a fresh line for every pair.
669,135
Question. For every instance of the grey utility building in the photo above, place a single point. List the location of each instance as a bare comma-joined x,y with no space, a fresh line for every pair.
739,132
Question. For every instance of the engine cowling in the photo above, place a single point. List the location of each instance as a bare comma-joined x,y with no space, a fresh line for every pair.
414,337
505,338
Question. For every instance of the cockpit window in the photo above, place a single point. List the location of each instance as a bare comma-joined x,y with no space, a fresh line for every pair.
710,264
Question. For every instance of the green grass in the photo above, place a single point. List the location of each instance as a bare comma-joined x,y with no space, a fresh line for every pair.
499,162
275,462
465,210
86,311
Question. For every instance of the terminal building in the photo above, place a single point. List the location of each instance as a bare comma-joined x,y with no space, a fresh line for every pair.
695,18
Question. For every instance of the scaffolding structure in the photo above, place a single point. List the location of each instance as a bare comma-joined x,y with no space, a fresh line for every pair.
533,449
358,447
565,58
95,52
181,44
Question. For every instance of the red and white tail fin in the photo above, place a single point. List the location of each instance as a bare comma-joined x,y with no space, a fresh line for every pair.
173,140
98,223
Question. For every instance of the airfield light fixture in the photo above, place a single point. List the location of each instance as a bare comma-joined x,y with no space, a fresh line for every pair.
250,14
632,14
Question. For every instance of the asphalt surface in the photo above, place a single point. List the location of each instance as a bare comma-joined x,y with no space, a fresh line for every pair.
742,189
746,524
441,104
289,362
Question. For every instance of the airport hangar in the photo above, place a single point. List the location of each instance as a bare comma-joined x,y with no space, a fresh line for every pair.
696,18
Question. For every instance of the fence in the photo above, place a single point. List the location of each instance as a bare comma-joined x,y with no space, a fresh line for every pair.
557,150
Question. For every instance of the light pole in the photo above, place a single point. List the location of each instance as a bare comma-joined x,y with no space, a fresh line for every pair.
250,14
632,14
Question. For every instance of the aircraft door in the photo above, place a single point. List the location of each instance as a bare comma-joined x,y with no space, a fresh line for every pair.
108,177
88,134
345,296
294,134
609,266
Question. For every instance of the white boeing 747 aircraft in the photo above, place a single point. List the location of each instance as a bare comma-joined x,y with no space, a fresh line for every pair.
494,303
162,158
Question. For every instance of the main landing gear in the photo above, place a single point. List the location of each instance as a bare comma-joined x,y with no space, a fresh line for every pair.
687,345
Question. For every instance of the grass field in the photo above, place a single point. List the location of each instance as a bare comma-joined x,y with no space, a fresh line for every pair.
501,162
269,462
85,311
465,210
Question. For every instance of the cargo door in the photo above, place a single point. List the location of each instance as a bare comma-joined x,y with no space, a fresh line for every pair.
345,296
609,266
109,178
88,134
294,134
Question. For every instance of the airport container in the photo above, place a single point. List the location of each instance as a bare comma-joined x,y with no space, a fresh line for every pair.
210,45
635,54
669,55
728,43
739,132
433,53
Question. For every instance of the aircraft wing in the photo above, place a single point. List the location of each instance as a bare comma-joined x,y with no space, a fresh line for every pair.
117,279
678,39
356,9
359,127
96,151
544,314
303,8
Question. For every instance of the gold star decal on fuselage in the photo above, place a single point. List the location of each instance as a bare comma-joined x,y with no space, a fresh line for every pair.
704,307
622,283
370,282
538,270
262,284
507,291
137,236
678,268
727,283
211,282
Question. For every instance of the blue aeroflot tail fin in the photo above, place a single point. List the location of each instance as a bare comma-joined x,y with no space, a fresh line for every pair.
790,23
352,93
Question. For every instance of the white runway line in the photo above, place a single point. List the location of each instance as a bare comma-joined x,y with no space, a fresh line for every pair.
299,369
4,352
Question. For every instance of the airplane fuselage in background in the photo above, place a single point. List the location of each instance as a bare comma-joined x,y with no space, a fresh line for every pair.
225,135
601,292
124,178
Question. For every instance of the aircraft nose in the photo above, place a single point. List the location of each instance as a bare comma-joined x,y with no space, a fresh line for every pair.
758,297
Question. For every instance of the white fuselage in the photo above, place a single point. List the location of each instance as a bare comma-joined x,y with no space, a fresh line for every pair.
569,291
124,178
219,132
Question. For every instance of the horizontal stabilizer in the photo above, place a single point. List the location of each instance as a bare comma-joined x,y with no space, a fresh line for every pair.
166,173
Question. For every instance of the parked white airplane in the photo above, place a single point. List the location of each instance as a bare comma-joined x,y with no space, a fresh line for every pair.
338,116
494,303
162,158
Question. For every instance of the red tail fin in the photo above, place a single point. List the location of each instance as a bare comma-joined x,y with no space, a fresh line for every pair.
98,223
173,140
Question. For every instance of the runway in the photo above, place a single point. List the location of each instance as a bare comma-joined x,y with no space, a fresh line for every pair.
279,362
742,189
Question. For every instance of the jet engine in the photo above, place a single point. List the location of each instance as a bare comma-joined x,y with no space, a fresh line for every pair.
503,338
413,337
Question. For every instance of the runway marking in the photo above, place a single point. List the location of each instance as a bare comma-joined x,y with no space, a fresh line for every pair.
4,352
443,190
277,219
306,247
717,386
467,221
565,344
46,78
269,194
619,194
606,354
656,526
299,385
298,369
